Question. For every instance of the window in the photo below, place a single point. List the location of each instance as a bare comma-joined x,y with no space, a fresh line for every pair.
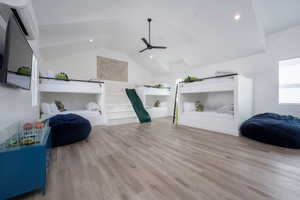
289,81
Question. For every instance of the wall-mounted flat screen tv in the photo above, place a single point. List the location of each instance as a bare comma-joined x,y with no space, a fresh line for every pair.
18,56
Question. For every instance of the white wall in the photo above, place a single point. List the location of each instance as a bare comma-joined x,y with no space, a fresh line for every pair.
262,67
83,65
15,104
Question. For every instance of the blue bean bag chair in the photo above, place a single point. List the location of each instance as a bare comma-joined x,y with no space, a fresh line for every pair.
69,128
275,129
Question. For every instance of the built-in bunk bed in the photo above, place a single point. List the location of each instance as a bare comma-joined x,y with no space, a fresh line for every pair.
155,100
218,104
84,98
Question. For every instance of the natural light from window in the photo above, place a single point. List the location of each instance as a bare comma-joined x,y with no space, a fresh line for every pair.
289,81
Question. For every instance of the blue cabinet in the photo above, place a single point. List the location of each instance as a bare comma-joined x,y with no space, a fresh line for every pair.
24,168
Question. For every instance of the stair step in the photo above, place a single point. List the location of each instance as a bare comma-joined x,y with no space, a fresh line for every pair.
117,105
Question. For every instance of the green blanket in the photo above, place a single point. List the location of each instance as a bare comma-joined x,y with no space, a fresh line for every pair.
138,106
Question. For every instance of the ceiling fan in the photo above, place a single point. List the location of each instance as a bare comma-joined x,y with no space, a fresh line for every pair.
148,44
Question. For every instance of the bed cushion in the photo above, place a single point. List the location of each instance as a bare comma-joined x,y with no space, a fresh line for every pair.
69,128
275,129
54,108
93,106
45,108
189,106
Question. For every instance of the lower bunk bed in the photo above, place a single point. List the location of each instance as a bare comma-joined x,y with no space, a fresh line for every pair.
94,117
210,120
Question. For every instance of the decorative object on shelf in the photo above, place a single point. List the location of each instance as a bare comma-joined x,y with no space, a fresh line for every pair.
158,86
62,76
191,79
25,71
27,126
199,106
60,105
39,125
157,103
27,134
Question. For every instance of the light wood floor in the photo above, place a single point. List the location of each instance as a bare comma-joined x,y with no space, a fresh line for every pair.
159,161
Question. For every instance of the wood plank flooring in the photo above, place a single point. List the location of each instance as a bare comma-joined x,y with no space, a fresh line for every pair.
159,161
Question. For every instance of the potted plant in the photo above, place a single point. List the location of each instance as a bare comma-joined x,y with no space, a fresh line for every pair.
62,76
191,79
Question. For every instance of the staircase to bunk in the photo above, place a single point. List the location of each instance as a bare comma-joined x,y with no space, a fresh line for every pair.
118,107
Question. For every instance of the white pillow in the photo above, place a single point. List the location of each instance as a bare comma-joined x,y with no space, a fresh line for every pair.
189,106
46,108
93,106
53,108
163,104
226,109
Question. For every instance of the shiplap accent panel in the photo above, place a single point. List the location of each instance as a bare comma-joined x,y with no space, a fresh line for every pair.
111,69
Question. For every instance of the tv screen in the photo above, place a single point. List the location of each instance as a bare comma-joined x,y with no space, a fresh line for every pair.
18,56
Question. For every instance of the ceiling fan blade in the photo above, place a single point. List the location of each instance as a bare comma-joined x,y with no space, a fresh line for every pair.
141,51
158,47
146,42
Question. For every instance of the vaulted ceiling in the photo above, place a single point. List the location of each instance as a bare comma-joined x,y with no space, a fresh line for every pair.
197,32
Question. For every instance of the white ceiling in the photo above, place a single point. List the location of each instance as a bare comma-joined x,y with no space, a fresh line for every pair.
197,32
278,15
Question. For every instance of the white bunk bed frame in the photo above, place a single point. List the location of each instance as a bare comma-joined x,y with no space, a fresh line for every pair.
74,86
242,89
154,112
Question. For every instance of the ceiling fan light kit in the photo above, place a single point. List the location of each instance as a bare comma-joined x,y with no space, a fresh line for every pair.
148,44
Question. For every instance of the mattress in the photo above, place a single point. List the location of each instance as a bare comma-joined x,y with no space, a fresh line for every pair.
212,114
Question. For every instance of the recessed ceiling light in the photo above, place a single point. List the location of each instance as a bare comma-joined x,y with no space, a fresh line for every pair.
237,17
91,40
151,56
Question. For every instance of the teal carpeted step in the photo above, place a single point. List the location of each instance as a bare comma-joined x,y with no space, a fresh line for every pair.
138,106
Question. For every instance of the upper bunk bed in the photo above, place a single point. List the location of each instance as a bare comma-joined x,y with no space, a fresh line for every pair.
70,86
209,85
152,91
